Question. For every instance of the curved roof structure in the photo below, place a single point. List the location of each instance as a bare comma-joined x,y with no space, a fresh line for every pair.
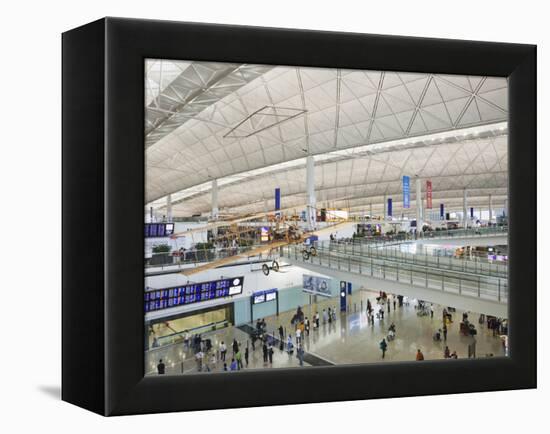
250,127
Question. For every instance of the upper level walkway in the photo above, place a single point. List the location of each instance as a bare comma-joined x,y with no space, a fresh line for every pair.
483,289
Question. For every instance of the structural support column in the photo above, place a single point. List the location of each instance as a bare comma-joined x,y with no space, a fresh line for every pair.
311,203
215,210
419,222
370,210
169,208
490,208
465,209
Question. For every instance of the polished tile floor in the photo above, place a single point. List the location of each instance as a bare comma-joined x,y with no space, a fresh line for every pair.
351,339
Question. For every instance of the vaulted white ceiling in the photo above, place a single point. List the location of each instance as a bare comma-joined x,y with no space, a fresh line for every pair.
251,126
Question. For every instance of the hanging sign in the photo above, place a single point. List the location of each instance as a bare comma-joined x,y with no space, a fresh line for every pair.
406,192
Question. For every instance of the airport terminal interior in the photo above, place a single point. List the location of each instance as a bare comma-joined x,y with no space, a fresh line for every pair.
299,217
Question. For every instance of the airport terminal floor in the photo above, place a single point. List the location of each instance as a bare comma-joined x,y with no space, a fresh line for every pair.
350,339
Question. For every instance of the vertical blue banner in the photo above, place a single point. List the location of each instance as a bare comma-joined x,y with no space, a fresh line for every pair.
441,211
349,288
390,210
343,295
471,213
277,199
406,192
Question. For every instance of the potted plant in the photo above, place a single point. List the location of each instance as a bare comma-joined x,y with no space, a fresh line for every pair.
161,255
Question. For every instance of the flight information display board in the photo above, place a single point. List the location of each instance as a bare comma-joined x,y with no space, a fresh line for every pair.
263,296
158,230
159,299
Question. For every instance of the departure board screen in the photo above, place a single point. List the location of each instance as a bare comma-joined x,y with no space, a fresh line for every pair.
159,299
158,230
263,296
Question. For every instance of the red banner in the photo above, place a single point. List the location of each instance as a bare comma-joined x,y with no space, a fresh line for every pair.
429,194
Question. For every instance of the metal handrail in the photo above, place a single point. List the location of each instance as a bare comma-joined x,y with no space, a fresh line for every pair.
486,287
197,330
198,256
439,234
477,266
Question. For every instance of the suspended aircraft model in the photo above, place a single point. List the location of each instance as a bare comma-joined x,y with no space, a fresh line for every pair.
281,233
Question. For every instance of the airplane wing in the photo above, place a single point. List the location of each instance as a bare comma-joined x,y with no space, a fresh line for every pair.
259,250
230,259
224,223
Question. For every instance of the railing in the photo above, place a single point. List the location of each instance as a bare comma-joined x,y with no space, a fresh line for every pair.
193,257
462,283
177,337
438,234
475,265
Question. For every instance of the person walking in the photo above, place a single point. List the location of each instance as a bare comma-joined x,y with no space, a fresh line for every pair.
445,332
253,339
186,340
431,310
300,354
246,356
233,366
419,355
264,350
235,347
198,358
223,351
270,354
394,303
447,353
289,343
325,316
213,360
306,324
383,347
388,303
281,333
161,368
298,336
472,349
239,358
317,320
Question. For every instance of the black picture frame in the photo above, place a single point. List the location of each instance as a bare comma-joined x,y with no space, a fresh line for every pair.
103,203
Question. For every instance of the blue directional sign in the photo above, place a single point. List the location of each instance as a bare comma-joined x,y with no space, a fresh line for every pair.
343,295
277,199
406,192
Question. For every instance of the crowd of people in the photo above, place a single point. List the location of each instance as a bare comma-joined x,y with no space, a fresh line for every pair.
236,356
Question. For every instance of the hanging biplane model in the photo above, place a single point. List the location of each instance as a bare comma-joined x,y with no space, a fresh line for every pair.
281,232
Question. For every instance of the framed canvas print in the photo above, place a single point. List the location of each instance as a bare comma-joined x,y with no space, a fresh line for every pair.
258,216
